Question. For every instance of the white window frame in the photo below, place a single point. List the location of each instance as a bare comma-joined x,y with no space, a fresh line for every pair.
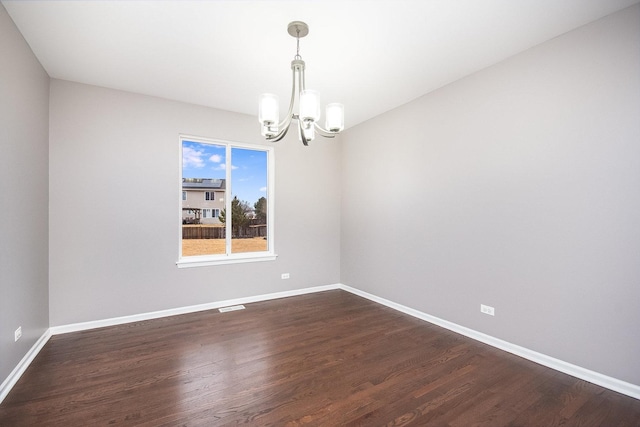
228,257
209,196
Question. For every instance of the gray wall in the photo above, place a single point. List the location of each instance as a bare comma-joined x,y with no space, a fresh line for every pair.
113,252
516,187
24,121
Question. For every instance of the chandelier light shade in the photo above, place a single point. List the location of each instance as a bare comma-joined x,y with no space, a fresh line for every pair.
308,102
335,117
269,111
310,105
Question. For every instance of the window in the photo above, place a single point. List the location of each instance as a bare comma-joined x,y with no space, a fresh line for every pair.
210,213
231,218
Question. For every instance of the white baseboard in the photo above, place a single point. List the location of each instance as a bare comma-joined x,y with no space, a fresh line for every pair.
22,366
75,327
614,384
597,378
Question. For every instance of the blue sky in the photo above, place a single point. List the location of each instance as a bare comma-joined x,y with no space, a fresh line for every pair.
248,168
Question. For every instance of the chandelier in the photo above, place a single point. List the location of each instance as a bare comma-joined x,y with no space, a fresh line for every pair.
308,104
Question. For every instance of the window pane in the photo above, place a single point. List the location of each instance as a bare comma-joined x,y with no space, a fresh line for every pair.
203,176
249,203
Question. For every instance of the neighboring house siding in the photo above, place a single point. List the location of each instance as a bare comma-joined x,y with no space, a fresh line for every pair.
205,195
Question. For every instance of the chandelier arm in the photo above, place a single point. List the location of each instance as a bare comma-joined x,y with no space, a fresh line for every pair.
322,131
287,119
284,125
280,135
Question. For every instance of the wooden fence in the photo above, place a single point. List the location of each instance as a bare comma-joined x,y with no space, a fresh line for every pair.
204,232
200,232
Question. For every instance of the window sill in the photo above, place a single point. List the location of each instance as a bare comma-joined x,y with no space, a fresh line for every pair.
204,261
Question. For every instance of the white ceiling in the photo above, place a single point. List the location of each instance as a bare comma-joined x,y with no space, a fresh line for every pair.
370,55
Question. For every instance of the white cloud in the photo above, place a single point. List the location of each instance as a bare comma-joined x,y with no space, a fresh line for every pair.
216,158
192,158
223,166
263,189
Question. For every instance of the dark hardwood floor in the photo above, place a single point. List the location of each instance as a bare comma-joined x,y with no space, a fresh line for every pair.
330,359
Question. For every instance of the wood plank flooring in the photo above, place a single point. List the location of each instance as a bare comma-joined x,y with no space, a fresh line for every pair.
330,359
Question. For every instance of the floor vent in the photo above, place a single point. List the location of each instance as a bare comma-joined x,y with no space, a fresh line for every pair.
232,308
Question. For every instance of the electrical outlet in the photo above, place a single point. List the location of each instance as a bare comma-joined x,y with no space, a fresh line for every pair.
285,275
487,310
18,333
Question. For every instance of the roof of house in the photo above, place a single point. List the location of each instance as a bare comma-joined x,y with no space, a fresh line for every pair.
203,183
